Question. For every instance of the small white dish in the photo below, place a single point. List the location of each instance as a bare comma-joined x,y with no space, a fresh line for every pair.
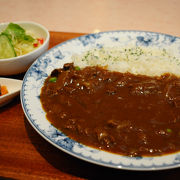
20,64
13,86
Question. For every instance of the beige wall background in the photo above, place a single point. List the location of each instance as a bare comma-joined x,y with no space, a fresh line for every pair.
96,15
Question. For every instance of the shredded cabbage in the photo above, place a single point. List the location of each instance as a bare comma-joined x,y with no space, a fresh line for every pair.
22,47
22,42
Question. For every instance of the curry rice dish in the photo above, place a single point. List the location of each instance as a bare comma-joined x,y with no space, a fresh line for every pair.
124,113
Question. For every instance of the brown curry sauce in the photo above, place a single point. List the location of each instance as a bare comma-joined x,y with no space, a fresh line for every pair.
133,115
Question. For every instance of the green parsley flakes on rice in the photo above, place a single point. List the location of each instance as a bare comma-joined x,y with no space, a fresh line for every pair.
135,60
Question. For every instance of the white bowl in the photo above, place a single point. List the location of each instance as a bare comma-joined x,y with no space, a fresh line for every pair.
20,64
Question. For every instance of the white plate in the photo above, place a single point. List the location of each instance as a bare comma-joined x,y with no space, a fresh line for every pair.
55,58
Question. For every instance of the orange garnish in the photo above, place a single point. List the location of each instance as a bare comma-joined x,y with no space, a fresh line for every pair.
3,90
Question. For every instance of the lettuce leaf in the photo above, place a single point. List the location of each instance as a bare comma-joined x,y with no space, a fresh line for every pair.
17,33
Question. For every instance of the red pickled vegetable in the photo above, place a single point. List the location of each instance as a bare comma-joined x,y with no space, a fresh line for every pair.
40,40
35,44
3,90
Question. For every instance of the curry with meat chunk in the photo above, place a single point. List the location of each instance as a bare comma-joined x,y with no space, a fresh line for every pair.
132,115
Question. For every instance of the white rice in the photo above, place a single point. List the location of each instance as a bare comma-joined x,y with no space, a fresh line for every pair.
136,60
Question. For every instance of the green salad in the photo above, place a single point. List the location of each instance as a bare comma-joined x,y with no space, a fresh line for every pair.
15,41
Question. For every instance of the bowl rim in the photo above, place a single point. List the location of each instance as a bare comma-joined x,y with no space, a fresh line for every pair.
34,51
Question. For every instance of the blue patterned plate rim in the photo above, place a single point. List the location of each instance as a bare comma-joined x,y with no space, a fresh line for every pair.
54,58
